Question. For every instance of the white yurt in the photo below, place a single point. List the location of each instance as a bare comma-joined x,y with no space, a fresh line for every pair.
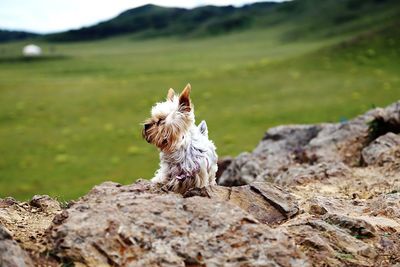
32,50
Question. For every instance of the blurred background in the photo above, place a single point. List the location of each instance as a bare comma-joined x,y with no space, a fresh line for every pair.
78,77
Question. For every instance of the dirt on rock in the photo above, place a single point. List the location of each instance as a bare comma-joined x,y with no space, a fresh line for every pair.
27,223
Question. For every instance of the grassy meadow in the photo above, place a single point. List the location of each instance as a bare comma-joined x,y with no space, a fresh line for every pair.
71,120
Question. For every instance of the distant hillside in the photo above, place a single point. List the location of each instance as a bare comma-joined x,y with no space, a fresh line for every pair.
7,36
333,17
306,17
151,20
303,18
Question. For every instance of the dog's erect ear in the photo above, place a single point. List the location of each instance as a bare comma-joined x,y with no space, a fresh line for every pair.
203,128
171,94
184,99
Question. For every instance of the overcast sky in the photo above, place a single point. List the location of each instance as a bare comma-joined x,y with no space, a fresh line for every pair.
44,16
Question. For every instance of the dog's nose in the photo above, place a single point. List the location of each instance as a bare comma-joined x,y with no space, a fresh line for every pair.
147,126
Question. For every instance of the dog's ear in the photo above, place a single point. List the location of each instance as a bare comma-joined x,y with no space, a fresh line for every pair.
203,128
184,99
171,94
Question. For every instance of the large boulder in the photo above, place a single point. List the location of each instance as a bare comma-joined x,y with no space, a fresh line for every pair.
296,154
128,226
383,150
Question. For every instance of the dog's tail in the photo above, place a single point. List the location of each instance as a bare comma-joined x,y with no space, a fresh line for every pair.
203,128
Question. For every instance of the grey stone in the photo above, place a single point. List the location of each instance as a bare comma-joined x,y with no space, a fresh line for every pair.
121,226
11,254
383,150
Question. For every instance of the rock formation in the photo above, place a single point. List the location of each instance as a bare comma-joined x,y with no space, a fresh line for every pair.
308,195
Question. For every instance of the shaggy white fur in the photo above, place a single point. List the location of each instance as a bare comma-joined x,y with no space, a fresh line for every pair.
187,157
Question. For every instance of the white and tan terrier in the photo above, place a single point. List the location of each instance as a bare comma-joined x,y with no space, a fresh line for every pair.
187,157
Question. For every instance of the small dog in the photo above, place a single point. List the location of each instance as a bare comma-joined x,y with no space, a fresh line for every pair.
187,157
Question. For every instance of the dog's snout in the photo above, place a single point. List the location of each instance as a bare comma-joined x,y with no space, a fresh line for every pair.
147,126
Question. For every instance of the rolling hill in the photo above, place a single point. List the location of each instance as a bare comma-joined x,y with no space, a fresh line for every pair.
152,20
8,36
309,18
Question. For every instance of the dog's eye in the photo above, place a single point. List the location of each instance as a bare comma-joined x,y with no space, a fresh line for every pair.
159,121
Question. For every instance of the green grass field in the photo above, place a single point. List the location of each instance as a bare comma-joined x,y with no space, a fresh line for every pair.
71,121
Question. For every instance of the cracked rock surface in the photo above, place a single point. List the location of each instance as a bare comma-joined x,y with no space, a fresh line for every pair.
112,225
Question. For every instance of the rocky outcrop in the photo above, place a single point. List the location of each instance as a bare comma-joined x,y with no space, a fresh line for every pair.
385,150
313,195
297,154
125,225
